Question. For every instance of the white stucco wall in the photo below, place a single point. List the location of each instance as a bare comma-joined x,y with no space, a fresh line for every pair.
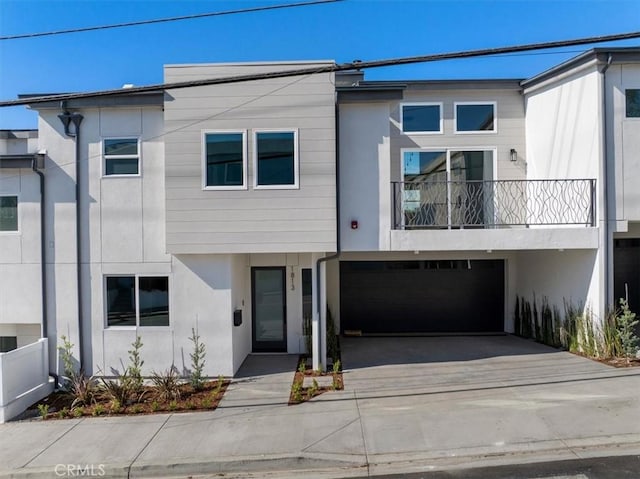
570,275
623,143
365,182
563,127
20,285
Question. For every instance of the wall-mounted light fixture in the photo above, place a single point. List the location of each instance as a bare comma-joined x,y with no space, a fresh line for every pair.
513,154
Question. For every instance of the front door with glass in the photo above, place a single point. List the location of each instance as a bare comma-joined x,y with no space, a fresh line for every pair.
269,311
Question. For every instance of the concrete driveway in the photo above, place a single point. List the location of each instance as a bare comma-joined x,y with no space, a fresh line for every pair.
483,396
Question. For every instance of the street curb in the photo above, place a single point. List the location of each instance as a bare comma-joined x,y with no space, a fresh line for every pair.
339,466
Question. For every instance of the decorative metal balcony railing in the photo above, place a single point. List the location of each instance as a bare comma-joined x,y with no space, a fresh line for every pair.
496,203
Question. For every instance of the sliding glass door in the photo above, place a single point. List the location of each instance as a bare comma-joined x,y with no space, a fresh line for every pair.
447,188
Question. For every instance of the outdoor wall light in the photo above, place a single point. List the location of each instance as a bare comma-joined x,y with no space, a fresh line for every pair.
513,154
354,224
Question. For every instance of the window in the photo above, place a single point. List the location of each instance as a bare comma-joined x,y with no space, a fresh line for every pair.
421,118
8,213
8,343
276,159
121,156
632,98
475,117
137,301
224,160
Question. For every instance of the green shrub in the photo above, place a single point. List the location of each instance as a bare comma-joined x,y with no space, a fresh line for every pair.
167,384
98,410
296,391
66,356
332,338
43,410
626,323
78,412
82,389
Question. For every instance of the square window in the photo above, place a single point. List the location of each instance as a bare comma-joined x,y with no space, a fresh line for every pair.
121,156
224,165
475,117
8,343
632,100
422,118
8,213
276,154
137,301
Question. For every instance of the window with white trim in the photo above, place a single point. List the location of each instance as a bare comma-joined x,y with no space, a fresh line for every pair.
475,117
137,300
8,213
276,159
421,118
121,156
225,165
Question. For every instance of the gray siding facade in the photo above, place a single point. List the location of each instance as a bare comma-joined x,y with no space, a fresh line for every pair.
250,220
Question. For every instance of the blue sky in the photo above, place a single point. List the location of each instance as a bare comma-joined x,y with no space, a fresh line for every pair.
353,29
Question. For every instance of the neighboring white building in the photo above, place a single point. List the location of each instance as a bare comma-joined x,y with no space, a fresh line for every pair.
237,209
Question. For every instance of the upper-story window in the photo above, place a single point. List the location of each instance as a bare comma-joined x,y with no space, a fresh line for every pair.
8,213
121,156
421,118
225,165
137,300
632,97
276,161
475,117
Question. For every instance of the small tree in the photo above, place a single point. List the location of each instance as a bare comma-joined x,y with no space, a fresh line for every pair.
197,361
134,371
66,356
626,322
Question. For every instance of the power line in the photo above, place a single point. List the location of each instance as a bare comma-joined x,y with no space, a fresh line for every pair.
165,20
327,69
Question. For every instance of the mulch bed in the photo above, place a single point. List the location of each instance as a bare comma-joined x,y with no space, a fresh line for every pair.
206,399
309,392
617,362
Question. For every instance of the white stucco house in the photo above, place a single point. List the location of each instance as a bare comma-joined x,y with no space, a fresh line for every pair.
238,209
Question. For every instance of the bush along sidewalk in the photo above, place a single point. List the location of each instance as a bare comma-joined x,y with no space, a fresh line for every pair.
612,341
129,392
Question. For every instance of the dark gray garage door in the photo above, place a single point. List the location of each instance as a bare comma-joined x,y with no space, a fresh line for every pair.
386,297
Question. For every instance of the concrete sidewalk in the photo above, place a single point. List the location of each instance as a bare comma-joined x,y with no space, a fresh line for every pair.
487,409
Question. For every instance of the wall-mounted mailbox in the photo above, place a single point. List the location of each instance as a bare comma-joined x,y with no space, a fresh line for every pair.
237,317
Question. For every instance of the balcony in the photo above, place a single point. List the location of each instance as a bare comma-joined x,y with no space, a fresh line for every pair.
493,204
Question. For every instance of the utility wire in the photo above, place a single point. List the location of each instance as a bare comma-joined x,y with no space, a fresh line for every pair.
165,20
327,69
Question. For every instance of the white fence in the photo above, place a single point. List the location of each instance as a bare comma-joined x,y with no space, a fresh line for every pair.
24,378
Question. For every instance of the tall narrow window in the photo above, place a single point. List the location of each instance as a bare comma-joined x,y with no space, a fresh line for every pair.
224,166
421,118
276,154
121,156
8,213
475,117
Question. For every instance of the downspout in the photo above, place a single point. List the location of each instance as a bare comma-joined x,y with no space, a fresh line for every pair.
336,255
43,264
605,186
76,118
